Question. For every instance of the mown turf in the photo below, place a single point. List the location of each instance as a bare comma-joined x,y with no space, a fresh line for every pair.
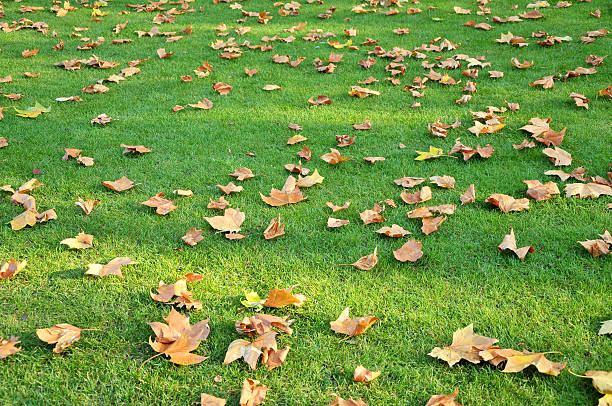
552,301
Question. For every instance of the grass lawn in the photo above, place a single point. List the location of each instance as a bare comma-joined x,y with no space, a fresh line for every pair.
554,300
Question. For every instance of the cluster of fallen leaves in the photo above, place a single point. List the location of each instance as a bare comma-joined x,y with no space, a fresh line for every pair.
177,338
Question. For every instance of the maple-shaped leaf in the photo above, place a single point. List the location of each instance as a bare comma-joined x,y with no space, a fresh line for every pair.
311,180
371,216
409,181
523,145
410,251
242,174
202,105
558,156
112,268
508,203
469,196
521,65
80,242
244,349
366,262
367,125
209,400
229,222
351,327
394,231
219,204
178,290
443,181
602,382
444,400
466,345
419,196
606,328
596,248
335,223
192,237
253,393
178,338
62,335
334,157
120,184
284,297
162,205
318,100
517,363
295,139
547,82
8,346
584,190
338,401
539,192
86,205
362,374
273,358
432,153
11,268
274,229
337,208
289,194
430,224
509,243
135,149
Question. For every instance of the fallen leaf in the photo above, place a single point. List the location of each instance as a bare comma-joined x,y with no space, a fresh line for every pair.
8,346
367,262
430,224
120,184
112,268
62,335
178,338
370,217
469,196
229,222
283,297
162,205
81,241
606,328
274,229
252,393
230,188
334,157
432,153
466,345
419,196
351,327
410,251
289,194
193,237
508,203
539,192
443,181
337,208
394,231
361,374
584,190
509,243
444,400
519,362
335,223
209,400
558,156
12,268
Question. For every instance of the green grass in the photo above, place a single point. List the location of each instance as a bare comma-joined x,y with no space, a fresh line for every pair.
552,301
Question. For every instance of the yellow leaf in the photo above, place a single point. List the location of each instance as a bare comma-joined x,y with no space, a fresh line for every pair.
432,153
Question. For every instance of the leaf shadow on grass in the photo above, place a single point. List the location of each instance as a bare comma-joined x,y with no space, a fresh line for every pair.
74,273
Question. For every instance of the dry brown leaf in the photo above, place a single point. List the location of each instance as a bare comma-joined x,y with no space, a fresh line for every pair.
62,335
365,126
274,229
523,145
230,188
140,149
162,54
295,139
193,237
112,268
361,374
538,191
351,327
584,190
508,203
558,156
315,101
289,194
178,338
443,181
469,196
229,222
430,224
120,184
162,205
81,241
517,363
509,243
242,174
419,196
338,401
209,400
334,157
338,208
409,182
367,262
371,216
410,251
12,268
273,358
222,88
219,204
252,393
596,248
244,349
394,231
86,205
344,140
8,346
335,223
466,345
283,297
444,400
